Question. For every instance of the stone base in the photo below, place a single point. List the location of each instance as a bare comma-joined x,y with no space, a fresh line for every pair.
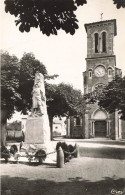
48,147
37,130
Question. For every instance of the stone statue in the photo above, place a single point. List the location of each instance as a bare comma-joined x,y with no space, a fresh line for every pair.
38,95
37,124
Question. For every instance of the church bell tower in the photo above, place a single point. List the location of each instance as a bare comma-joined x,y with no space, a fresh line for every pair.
100,69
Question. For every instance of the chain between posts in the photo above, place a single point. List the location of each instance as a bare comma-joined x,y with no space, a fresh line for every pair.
51,152
70,153
31,155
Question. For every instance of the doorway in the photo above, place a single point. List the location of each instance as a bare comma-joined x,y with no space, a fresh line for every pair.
100,128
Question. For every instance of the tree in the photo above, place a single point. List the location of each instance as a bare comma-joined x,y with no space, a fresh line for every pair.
64,100
17,79
48,15
112,97
119,3
9,89
28,67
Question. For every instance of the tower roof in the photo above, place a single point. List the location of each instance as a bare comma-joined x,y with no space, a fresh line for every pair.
102,22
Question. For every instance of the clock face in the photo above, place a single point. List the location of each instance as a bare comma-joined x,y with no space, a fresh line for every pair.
100,71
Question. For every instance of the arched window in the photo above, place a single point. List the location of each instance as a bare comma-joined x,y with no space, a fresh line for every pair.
109,72
103,41
96,36
98,88
90,74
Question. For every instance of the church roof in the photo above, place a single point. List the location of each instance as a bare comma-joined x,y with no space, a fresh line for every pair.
103,21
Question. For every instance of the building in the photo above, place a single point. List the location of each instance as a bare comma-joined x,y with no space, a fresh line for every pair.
59,127
100,69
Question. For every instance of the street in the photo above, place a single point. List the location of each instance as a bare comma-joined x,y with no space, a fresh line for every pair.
98,171
105,152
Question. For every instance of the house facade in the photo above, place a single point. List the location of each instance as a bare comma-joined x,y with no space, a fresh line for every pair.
59,127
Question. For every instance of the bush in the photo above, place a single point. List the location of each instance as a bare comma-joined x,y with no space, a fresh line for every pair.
69,150
5,153
40,156
13,149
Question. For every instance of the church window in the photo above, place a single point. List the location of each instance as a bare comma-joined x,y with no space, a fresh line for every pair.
98,88
96,36
103,41
90,73
110,72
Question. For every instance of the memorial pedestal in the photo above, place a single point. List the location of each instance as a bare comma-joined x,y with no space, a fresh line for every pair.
38,132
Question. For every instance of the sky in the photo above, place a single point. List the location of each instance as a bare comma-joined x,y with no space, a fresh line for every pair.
64,54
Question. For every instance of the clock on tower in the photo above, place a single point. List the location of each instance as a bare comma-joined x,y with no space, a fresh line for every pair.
99,71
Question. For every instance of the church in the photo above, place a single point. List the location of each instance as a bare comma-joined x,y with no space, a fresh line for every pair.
100,69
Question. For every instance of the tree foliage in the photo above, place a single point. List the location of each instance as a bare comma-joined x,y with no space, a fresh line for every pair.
28,67
17,79
9,83
112,97
47,15
119,3
64,100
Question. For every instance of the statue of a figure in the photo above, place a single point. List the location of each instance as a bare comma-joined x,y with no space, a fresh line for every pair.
38,100
37,124
38,95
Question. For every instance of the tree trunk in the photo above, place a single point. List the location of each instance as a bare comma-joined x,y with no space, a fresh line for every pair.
3,134
51,127
3,127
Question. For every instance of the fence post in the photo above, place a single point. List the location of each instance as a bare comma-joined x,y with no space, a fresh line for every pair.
60,158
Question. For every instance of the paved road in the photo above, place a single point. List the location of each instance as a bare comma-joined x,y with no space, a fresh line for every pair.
102,152
99,148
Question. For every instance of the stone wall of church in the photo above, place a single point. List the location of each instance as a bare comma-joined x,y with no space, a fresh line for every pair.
123,129
92,64
112,126
76,131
